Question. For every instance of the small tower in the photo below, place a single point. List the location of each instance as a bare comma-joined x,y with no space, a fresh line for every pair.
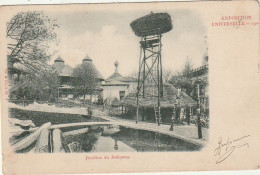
150,83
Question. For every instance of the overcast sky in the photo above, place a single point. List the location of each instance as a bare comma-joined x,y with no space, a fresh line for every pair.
107,37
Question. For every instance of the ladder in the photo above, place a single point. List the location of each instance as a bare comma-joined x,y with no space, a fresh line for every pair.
157,113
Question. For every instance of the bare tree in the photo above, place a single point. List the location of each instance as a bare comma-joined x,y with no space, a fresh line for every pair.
182,80
29,34
134,74
167,73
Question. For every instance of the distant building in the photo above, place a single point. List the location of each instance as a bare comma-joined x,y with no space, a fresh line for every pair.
16,73
19,75
66,88
201,73
65,78
118,86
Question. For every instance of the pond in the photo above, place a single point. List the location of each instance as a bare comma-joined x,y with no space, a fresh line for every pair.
94,139
127,140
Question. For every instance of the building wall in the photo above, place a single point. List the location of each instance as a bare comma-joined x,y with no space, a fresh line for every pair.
113,91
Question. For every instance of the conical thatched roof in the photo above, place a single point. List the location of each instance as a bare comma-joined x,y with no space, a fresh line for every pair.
88,61
168,100
61,68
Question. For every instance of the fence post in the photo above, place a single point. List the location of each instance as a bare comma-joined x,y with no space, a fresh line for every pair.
23,100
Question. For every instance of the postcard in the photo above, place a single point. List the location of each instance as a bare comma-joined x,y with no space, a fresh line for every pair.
130,87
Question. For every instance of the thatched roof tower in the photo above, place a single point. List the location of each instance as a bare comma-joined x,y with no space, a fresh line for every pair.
148,24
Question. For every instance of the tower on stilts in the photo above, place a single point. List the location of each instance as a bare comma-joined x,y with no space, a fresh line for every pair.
150,79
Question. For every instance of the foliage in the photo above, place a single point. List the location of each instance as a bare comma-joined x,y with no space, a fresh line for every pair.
29,37
85,78
115,102
187,68
182,80
134,74
112,101
167,73
29,34
42,86
189,86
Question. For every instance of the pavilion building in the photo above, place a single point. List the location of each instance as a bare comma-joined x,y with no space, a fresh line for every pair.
66,89
118,86
65,74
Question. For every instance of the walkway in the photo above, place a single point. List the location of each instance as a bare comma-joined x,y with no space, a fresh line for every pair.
188,133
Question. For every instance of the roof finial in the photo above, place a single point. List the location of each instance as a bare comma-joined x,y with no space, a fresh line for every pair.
116,65
87,58
59,59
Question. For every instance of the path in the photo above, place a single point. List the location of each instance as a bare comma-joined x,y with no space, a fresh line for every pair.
188,133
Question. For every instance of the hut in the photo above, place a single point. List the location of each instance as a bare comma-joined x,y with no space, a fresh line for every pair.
95,96
65,78
171,94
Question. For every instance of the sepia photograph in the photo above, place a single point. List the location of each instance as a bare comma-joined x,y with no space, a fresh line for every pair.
100,82
129,87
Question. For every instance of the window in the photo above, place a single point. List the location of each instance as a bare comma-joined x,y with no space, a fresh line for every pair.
121,94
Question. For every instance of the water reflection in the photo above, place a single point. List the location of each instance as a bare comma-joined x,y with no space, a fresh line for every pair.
108,144
126,140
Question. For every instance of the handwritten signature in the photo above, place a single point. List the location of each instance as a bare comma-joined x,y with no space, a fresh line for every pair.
226,148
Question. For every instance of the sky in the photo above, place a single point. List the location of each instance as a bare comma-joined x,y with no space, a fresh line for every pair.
107,36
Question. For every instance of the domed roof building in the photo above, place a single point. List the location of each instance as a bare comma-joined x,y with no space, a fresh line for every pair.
65,74
61,68
88,62
65,78
115,75
118,86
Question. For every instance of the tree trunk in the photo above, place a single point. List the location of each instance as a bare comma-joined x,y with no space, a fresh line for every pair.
143,114
90,98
